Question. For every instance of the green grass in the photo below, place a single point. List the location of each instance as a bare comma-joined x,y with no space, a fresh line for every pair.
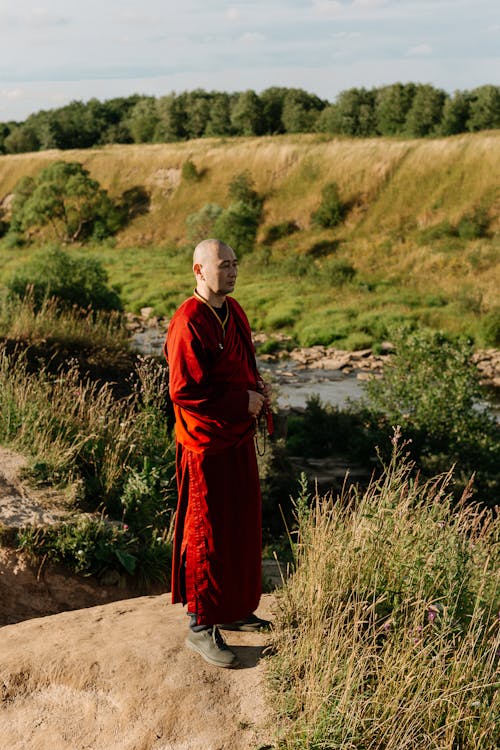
298,295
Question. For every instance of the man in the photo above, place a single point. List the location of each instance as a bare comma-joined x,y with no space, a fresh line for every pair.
217,396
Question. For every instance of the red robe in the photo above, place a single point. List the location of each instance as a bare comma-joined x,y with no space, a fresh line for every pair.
216,567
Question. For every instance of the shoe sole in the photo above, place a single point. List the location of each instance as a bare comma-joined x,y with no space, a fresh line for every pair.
213,662
245,628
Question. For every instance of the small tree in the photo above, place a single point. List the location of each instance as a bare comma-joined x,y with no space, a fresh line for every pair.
200,225
331,210
237,226
65,197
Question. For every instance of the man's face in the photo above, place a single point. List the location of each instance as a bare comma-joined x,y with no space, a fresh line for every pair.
219,270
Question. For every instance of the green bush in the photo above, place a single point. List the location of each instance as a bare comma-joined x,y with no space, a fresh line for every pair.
237,226
490,328
331,210
241,190
338,271
430,388
200,225
189,172
357,340
75,280
474,225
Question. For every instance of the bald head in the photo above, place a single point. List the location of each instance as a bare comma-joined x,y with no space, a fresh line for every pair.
209,249
215,268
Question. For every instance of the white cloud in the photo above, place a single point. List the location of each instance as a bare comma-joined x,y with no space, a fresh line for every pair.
346,35
233,14
252,36
42,18
12,94
421,50
328,7
369,3
134,18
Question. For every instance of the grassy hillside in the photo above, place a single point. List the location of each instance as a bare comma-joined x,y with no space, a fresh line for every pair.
407,201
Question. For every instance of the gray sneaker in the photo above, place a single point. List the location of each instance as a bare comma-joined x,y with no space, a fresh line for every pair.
212,647
250,624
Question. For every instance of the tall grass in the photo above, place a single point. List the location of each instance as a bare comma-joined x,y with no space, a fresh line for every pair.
387,635
115,457
21,319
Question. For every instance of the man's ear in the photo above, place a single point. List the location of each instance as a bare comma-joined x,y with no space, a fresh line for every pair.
197,269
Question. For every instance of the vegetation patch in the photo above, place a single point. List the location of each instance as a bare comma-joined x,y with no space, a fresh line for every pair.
387,633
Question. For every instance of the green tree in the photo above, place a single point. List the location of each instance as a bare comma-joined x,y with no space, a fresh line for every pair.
392,104
355,112
64,196
328,120
171,118
484,108
425,113
143,120
197,107
247,114
219,122
21,139
272,108
456,113
4,132
300,111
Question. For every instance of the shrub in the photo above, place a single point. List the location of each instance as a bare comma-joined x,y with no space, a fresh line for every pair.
189,173
387,633
200,225
331,211
431,389
241,190
237,226
490,328
472,226
338,271
75,280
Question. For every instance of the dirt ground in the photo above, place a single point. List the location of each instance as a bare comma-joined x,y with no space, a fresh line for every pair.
119,677
110,670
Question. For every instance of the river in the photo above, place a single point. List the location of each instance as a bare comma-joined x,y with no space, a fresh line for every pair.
294,383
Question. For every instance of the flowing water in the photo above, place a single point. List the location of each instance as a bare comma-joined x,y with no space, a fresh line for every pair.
294,384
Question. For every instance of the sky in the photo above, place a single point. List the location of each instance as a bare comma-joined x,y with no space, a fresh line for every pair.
56,51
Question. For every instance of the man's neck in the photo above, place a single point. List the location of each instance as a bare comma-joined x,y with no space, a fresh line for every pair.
215,300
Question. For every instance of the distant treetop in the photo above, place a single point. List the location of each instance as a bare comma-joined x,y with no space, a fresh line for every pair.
406,110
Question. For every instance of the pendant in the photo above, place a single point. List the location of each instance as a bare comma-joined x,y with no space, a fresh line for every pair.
221,345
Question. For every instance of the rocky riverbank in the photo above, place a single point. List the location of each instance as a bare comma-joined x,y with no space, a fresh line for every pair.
148,333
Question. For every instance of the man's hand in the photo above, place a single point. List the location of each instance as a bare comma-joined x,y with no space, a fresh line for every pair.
255,403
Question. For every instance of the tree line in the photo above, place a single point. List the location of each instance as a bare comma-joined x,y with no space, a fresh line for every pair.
408,110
